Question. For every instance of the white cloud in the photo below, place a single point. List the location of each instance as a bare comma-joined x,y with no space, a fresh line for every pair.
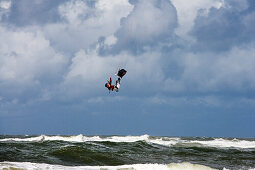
206,72
238,5
149,21
41,55
27,60
237,68
84,24
5,4
74,12
4,8
187,12
89,66
89,71
110,40
38,56
110,12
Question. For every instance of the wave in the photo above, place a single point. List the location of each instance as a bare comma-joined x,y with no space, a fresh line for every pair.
171,166
217,143
165,141
80,138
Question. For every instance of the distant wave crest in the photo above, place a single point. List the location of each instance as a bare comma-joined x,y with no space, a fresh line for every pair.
165,141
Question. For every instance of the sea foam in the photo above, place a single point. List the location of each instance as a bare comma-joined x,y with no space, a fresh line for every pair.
172,166
165,141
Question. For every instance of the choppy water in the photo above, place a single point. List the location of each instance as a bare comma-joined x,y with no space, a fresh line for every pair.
125,152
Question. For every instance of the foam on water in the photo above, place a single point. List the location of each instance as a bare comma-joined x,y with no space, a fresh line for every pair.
166,141
172,166
218,143
227,143
80,138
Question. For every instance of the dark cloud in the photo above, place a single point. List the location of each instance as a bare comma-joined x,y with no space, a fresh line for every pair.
26,12
221,29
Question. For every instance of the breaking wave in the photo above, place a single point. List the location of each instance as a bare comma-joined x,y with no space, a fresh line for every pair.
165,141
125,152
172,166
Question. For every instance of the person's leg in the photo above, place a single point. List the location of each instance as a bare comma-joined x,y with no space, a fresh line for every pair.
118,83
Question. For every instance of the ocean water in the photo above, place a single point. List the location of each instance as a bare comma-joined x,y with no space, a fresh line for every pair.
125,152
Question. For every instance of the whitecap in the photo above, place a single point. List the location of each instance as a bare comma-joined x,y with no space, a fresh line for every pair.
171,166
165,141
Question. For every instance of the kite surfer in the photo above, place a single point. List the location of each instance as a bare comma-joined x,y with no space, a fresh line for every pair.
115,87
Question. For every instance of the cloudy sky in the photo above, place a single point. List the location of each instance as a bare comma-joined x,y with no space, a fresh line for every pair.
191,67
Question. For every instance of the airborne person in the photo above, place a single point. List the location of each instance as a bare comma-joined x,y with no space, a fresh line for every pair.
115,87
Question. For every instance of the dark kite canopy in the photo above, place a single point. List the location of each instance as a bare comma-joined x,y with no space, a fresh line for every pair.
121,73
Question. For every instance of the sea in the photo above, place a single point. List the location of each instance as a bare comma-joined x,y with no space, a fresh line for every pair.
125,152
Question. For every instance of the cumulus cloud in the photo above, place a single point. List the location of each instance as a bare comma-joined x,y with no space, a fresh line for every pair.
149,22
187,13
74,12
207,73
224,27
73,52
36,54
83,24
27,61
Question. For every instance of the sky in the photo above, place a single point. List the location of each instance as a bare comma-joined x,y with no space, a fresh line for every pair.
190,67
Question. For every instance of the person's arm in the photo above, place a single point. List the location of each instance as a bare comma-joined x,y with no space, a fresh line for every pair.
110,82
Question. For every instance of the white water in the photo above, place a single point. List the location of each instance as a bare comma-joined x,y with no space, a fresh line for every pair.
166,141
218,143
172,166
